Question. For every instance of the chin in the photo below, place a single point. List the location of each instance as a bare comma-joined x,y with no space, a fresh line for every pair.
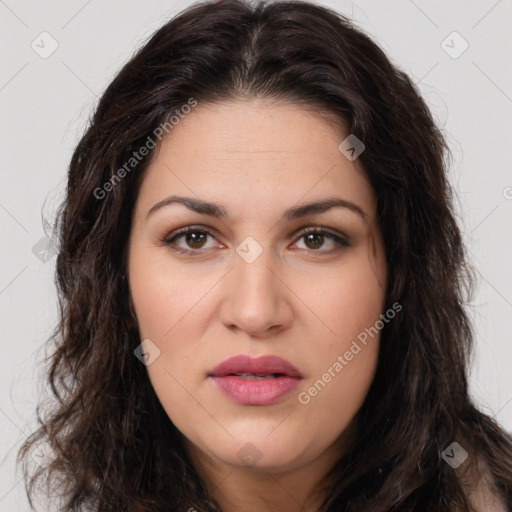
277,455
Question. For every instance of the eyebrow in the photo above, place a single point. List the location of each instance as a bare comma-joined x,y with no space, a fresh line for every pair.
216,210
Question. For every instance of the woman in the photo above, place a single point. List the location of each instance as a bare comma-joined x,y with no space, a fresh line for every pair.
262,285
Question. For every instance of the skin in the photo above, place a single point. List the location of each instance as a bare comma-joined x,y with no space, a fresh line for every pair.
301,299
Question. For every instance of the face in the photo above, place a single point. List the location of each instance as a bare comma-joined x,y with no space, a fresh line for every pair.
288,288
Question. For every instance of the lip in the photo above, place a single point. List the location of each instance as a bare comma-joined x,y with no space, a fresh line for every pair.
263,391
263,364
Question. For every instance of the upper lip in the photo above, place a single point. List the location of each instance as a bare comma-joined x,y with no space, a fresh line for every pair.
256,365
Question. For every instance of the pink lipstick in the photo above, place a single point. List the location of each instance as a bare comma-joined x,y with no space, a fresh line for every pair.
255,381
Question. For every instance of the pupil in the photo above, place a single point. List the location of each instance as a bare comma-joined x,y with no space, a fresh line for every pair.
312,237
191,239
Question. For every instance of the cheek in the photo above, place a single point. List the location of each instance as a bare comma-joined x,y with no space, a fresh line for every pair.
344,365
348,307
169,305
167,313
346,300
332,399
161,296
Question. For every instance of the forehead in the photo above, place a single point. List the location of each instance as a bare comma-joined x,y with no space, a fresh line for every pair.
255,154
256,126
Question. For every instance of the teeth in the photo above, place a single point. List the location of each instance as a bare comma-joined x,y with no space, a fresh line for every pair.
251,376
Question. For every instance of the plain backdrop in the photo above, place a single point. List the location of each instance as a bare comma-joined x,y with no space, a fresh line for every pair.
58,57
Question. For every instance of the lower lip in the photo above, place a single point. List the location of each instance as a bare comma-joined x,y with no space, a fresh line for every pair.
255,391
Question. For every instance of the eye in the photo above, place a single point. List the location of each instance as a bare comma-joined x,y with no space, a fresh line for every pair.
315,238
195,239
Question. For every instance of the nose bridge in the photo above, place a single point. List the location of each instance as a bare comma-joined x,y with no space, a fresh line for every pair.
253,264
255,272
256,300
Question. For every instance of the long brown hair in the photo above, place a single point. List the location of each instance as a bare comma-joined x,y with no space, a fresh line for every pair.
116,448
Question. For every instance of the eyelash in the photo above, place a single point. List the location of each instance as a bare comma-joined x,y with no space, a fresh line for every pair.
317,230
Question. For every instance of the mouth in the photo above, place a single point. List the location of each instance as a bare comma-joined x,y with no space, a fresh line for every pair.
263,366
252,376
255,381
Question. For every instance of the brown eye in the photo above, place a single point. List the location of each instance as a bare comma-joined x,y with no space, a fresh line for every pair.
316,240
195,239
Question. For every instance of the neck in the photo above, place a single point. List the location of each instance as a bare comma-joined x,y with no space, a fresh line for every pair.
236,488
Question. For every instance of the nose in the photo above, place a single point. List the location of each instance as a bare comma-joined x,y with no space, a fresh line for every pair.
256,300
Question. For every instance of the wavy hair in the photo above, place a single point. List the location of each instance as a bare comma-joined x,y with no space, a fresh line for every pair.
116,449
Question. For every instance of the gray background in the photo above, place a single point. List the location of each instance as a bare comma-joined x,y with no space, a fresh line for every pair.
45,103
